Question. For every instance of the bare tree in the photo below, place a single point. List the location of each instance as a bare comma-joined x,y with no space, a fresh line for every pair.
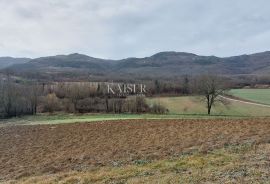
77,92
34,92
8,95
211,87
185,89
51,103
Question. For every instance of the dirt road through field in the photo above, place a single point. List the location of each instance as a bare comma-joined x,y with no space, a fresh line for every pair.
242,101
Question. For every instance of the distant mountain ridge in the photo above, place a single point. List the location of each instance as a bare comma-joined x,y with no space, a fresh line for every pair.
8,61
163,64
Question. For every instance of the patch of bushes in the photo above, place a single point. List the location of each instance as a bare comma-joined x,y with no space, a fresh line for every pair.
158,109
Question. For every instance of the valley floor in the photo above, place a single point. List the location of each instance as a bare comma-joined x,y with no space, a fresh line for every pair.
183,107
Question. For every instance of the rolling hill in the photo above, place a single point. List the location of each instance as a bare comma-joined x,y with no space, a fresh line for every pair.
161,65
9,61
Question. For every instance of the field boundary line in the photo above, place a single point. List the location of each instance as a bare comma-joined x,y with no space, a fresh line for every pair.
241,101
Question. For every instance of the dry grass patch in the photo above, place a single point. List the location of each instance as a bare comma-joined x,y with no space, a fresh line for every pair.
244,163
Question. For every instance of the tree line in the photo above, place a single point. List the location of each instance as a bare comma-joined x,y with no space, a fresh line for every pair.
29,98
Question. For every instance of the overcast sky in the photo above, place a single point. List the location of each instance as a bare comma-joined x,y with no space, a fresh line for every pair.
133,28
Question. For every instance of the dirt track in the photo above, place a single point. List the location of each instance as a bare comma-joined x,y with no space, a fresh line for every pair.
35,150
235,99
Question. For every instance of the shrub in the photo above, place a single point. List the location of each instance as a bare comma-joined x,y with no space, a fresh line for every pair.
136,104
158,109
51,103
90,105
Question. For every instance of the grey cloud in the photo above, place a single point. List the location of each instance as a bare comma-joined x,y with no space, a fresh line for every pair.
126,28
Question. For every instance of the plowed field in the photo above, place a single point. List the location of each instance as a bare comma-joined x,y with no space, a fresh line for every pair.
43,149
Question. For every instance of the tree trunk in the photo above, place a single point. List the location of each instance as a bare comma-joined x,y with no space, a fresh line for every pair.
107,104
209,110
208,105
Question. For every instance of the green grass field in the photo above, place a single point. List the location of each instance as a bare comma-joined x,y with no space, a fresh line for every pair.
193,105
256,95
75,118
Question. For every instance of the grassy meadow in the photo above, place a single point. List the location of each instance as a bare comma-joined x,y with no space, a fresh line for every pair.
256,95
77,118
194,105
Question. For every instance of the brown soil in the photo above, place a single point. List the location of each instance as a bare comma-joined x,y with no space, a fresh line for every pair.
39,149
